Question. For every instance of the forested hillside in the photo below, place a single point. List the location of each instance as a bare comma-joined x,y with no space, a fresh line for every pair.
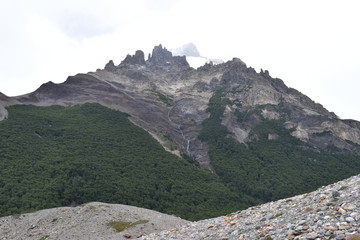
270,168
61,156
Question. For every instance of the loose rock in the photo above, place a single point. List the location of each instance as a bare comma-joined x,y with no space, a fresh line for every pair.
314,216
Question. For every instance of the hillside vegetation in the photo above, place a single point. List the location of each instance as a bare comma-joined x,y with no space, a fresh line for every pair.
66,156
265,169
61,156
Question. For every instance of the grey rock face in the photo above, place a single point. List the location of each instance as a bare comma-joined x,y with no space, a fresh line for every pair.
110,66
137,59
162,57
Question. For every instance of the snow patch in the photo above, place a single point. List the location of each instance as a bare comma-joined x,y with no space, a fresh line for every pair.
193,56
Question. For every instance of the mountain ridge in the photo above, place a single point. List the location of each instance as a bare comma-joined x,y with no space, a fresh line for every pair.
145,85
162,65
260,139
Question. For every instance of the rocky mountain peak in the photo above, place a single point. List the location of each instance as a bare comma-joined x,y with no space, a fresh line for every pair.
163,57
137,59
160,55
110,66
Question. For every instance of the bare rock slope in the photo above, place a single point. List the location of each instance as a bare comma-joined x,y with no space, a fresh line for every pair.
89,221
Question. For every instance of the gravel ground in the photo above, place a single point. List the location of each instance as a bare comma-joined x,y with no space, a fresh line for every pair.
331,212
89,221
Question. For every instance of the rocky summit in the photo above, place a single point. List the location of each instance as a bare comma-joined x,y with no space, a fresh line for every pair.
331,212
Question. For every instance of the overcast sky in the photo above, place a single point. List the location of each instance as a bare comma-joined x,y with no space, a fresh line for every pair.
312,45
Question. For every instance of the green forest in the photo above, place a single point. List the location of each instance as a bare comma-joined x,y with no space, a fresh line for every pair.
65,156
269,170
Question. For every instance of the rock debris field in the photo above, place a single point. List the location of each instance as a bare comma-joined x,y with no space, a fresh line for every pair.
331,212
90,221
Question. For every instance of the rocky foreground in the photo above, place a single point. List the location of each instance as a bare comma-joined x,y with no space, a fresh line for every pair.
331,212
86,222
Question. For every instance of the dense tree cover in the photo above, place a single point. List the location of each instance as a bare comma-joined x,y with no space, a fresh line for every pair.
60,156
269,169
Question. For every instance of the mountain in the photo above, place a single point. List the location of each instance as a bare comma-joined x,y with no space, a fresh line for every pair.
165,90
232,135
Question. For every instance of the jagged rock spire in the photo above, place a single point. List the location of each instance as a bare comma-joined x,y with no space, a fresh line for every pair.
137,59
163,57
159,58
110,66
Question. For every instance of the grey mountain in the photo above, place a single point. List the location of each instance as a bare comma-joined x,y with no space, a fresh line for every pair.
166,96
